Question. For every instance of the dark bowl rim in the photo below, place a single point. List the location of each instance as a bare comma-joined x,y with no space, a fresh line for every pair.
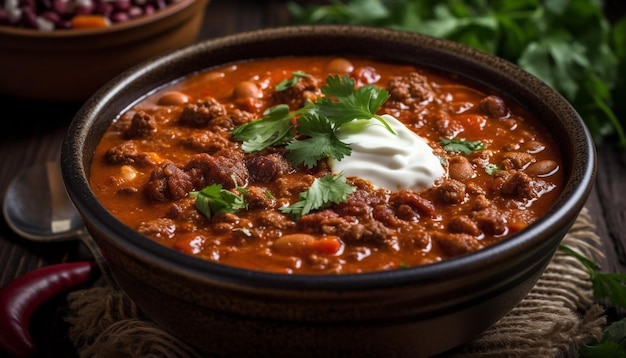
520,246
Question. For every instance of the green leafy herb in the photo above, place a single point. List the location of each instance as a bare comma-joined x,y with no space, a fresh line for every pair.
612,344
570,45
606,285
290,82
213,199
325,191
612,287
273,129
314,136
319,142
461,145
491,169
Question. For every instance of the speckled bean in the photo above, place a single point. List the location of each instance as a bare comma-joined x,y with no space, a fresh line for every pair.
542,168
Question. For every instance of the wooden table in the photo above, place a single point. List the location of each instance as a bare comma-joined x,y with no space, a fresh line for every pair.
34,135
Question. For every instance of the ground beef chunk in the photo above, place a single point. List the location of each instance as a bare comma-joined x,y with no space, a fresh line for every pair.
416,238
238,117
451,191
257,198
276,220
161,228
168,182
516,160
316,219
142,125
370,231
127,154
266,168
411,89
494,106
414,201
288,187
226,167
456,244
490,221
444,125
481,203
205,141
463,224
200,113
514,183
306,88
386,215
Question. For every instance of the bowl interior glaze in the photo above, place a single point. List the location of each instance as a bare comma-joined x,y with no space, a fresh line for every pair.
414,312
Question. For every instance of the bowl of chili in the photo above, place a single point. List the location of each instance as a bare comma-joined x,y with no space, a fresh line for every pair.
63,51
248,235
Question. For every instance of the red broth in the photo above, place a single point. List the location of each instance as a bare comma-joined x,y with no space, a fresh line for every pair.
179,141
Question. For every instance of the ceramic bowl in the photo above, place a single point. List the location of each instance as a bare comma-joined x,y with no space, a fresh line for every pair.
232,312
70,65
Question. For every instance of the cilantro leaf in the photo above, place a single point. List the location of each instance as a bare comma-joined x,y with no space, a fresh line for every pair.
321,142
343,103
612,344
273,129
606,285
461,145
492,169
325,191
290,82
213,199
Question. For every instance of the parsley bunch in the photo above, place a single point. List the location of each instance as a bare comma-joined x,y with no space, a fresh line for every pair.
569,44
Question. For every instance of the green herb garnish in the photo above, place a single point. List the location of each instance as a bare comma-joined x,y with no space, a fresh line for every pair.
290,82
491,169
460,145
313,138
273,129
213,199
325,191
612,287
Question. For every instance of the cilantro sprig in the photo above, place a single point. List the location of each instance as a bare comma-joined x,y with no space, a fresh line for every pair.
570,45
313,137
273,129
323,192
460,145
290,82
213,199
612,287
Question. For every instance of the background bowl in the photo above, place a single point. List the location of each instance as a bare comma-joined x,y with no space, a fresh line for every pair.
227,311
70,65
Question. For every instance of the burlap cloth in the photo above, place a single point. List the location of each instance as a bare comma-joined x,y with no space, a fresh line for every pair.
556,317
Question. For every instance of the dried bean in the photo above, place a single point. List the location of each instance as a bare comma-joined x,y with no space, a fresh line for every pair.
46,15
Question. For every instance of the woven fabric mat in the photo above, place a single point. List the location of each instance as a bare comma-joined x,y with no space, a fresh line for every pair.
558,316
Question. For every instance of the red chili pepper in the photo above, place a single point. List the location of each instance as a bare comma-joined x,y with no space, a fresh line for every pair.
23,296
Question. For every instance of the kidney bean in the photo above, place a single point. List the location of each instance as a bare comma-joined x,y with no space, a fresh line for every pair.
59,14
24,295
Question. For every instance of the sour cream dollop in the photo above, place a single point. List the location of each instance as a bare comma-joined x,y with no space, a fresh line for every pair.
397,161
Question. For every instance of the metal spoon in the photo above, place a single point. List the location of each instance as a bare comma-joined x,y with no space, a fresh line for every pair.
36,207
